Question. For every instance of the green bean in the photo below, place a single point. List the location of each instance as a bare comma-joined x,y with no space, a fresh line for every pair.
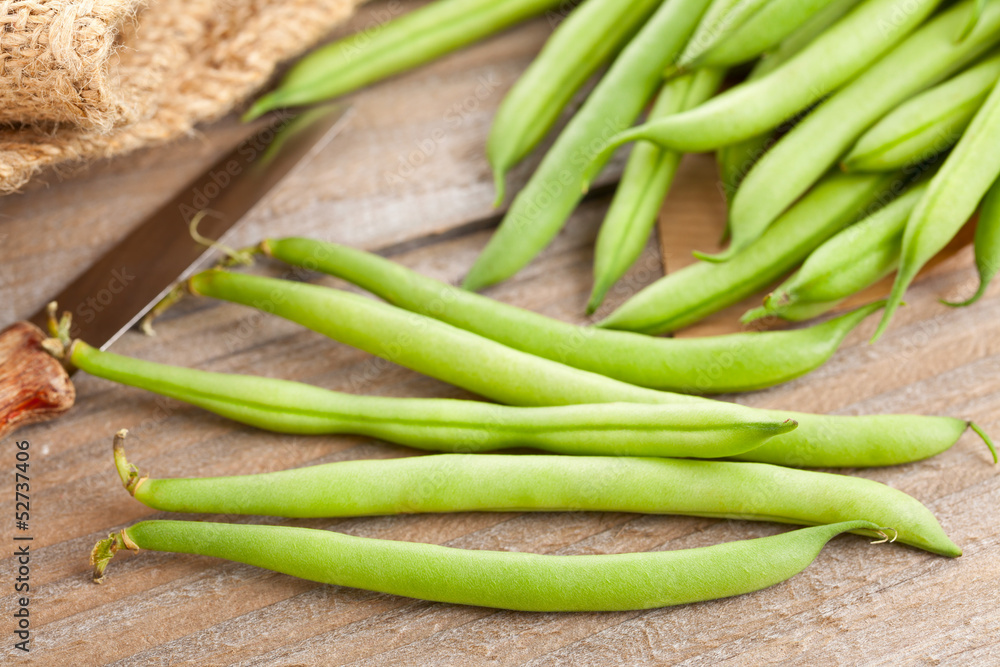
396,46
854,259
927,124
504,483
500,579
539,211
509,376
815,144
715,24
718,364
686,296
772,24
648,175
952,197
987,244
583,43
622,429
752,108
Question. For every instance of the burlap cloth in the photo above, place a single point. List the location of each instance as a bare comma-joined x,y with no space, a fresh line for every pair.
86,79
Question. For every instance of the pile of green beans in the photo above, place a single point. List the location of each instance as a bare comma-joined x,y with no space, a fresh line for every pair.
607,429
499,579
502,483
713,365
509,376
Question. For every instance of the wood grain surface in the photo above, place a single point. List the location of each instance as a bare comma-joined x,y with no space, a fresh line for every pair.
409,178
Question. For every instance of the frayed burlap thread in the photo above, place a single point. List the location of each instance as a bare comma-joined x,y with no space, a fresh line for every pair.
181,62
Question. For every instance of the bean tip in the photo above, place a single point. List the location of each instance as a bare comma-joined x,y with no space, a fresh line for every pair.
986,439
129,474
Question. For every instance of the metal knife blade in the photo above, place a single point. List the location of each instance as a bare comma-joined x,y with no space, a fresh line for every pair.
130,278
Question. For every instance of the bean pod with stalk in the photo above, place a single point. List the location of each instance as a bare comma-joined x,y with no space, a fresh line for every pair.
499,579
504,374
503,483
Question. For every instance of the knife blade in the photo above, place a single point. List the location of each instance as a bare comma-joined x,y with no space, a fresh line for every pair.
120,287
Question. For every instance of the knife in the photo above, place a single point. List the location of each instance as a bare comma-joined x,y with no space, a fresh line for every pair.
128,280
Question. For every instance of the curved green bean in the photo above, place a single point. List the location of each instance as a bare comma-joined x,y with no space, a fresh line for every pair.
952,197
686,296
768,27
501,579
752,108
645,182
396,46
622,429
927,124
854,259
583,43
509,376
717,364
504,483
987,244
539,211
815,144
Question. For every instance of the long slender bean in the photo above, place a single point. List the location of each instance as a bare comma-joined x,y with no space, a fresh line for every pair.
539,211
396,46
500,579
954,193
752,108
815,144
686,296
928,124
854,259
645,182
717,364
583,43
621,429
510,376
987,244
502,483
714,24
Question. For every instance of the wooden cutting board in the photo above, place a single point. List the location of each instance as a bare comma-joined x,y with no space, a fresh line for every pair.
388,184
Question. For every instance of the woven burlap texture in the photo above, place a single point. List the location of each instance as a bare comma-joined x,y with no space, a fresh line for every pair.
177,64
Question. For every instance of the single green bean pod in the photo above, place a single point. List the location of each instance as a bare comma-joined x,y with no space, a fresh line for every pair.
815,144
394,47
952,197
539,211
504,374
987,244
832,59
499,579
619,429
584,42
504,483
774,22
709,365
686,296
718,21
851,261
645,182
927,124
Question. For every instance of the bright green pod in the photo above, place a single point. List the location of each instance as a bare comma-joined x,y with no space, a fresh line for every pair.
499,579
607,429
987,244
584,41
539,211
504,483
927,124
644,184
832,59
394,47
851,261
816,143
952,197
767,28
684,297
504,374
710,365
717,21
